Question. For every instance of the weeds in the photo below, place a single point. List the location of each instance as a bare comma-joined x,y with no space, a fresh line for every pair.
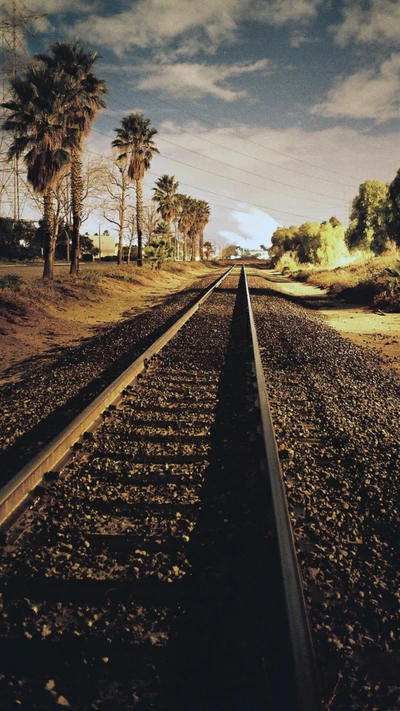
372,281
13,282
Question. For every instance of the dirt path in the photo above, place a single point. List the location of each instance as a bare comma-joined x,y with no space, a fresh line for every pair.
375,330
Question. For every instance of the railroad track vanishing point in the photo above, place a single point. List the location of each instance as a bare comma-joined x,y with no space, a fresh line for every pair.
153,566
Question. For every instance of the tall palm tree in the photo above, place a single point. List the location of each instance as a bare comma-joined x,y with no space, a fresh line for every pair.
185,223
203,218
38,123
135,141
77,64
165,194
178,206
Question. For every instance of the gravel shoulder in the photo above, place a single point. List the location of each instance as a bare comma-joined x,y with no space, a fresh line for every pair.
375,330
335,409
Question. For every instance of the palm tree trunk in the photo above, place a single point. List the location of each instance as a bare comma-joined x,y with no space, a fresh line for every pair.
50,237
193,255
201,245
184,247
76,201
139,221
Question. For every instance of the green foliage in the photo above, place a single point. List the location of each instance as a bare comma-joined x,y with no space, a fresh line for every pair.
231,250
208,249
17,239
332,248
13,282
369,218
394,210
311,243
157,252
87,246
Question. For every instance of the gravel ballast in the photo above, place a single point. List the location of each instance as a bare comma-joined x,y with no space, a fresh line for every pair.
52,391
336,415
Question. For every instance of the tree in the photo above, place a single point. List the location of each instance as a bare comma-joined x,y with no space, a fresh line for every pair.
203,218
70,59
369,217
135,140
93,180
163,231
158,251
308,242
42,133
165,194
150,219
394,210
116,207
284,239
17,239
231,250
179,203
208,249
185,222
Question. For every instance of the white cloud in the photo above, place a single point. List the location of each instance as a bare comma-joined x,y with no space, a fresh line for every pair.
197,26
197,80
155,23
366,94
253,228
281,12
369,21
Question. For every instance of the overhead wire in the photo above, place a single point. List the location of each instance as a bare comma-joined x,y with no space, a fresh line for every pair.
226,197
228,131
226,177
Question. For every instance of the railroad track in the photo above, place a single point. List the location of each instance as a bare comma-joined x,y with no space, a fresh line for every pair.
152,566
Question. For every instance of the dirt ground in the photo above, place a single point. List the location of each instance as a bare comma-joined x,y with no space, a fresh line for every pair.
375,330
34,330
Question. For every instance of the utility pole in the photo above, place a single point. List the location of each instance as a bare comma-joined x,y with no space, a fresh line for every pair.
16,23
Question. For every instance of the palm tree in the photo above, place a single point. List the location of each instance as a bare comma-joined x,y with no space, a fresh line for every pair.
178,206
40,131
165,194
185,223
203,217
162,231
76,64
135,140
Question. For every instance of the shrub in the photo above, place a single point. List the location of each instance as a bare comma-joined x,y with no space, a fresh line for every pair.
287,264
12,282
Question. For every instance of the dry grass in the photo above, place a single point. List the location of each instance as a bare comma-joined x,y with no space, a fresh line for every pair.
17,293
369,281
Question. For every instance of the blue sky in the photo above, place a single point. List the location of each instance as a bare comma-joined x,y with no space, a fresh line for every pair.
274,111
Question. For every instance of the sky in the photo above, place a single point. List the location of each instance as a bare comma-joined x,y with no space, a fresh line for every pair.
273,111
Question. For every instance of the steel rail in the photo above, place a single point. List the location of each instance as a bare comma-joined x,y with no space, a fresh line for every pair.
302,678
13,494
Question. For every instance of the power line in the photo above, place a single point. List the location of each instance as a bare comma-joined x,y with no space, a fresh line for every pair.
226,177
226,197
260,160
228,131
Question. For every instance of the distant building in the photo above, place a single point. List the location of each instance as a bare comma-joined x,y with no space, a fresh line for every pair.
105,244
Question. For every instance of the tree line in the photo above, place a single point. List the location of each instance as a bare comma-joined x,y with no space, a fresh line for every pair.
52,107
374,228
